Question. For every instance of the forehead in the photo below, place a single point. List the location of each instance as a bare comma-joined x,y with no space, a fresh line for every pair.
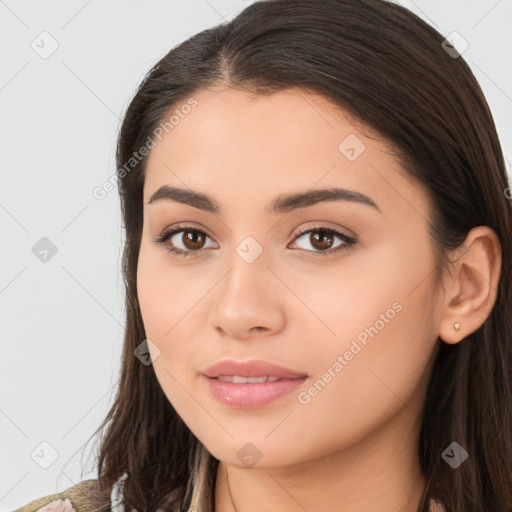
287,122
253,146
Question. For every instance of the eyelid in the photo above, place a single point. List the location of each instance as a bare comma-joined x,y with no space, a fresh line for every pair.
298,231
314,225
184,226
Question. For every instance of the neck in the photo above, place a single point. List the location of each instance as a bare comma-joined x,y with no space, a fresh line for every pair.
380,473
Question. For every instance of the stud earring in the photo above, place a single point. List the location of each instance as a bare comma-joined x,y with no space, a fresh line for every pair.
456,326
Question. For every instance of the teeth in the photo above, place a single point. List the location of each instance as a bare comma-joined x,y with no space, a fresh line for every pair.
237,379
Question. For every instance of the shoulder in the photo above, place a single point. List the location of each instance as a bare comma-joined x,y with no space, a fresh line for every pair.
82,497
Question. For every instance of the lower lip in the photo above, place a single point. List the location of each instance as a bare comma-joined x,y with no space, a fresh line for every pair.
251,395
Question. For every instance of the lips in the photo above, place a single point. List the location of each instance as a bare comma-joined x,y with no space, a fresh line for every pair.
250,384
251,369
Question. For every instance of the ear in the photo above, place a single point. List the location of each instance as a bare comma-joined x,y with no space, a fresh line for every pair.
472,286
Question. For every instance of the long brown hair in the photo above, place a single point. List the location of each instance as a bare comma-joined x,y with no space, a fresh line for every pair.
388,69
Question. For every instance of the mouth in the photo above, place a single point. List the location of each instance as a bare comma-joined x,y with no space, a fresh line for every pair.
250,384
238,379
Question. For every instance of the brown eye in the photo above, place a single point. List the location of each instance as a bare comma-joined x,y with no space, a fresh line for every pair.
190,243
321,240
193,239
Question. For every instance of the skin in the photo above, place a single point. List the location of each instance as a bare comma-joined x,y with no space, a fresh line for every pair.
353,446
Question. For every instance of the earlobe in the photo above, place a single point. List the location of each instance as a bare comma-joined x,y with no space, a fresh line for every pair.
457,334
472,287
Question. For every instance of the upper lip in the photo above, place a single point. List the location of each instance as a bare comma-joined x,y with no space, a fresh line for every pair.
252,368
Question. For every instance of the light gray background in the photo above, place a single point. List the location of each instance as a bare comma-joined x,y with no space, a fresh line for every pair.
62,320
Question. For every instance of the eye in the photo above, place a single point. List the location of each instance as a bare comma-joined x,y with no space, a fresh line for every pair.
322,238
191,241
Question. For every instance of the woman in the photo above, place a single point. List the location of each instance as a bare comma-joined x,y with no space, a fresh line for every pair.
318,275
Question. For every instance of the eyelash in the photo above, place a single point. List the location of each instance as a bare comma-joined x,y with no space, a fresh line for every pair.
348,244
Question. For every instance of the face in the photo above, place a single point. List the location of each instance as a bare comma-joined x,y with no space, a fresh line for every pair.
340,292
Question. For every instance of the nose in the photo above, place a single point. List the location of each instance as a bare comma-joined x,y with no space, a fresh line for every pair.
249,301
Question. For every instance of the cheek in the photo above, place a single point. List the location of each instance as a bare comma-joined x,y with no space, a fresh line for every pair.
345,300
166,295
153,298
162,307
373,334
170,304
371,370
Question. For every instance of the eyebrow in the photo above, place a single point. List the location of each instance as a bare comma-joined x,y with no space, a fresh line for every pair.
281,204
